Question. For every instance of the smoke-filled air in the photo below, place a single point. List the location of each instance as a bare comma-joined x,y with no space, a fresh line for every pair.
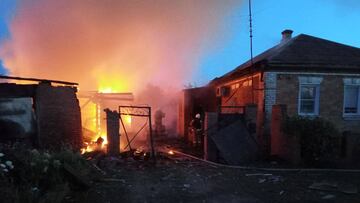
113,45
149,47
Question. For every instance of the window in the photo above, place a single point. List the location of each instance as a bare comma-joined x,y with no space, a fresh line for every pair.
225,91
235,86
351,97
309,99
309,94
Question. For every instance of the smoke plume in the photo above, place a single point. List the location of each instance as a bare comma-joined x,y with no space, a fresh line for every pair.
114,43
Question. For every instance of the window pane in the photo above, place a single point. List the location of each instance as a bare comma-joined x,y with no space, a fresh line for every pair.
308,99
308,92
307,106
351,99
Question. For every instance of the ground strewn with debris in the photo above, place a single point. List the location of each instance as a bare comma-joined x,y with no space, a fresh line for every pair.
194,181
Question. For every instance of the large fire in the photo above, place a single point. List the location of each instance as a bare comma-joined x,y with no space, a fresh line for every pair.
97,140
110,84
143,42
141,46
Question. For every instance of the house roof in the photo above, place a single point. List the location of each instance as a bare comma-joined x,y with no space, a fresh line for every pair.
305,53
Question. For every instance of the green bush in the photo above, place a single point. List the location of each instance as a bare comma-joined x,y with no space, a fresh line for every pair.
30,175
319,139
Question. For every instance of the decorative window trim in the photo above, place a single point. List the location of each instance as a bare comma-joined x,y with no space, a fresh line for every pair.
303,80
310,81
351,81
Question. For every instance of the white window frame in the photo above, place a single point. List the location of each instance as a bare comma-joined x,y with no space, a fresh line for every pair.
352,82
310,82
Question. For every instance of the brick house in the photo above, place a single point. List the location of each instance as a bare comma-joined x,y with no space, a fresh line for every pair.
309,75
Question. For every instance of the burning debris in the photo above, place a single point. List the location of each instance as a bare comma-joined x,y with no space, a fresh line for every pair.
116,122
133,123
171,152
98,145
93,104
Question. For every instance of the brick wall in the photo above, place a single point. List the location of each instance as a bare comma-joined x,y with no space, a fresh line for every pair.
330,101
283,146
287,92
58,116
270,83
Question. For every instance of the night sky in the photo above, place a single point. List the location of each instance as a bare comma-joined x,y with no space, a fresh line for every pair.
336,20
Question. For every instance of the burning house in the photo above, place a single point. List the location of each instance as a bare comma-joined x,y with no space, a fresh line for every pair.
49,113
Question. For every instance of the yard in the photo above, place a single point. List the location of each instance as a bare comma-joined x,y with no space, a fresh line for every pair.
65,176
193,181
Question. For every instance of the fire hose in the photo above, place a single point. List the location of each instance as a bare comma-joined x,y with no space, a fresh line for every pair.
267,169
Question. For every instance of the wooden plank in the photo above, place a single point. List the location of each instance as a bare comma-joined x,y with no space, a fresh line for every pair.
38,80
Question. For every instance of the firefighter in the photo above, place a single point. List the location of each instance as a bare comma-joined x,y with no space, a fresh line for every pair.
196,128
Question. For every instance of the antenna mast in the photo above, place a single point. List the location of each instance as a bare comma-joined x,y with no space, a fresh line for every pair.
251,53
251,35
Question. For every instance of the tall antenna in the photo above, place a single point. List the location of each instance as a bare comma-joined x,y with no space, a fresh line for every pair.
251,35
251,53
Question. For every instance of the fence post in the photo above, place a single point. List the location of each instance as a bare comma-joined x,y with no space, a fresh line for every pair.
112,129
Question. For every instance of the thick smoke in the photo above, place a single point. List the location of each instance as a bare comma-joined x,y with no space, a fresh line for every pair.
125,45
103,42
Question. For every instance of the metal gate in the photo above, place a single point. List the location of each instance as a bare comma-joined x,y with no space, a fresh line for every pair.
138,111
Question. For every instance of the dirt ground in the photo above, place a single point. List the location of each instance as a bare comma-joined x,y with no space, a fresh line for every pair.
186,180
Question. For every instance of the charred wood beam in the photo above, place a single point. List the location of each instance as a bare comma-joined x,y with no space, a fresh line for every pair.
94,96
39,80
93,92
114,98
